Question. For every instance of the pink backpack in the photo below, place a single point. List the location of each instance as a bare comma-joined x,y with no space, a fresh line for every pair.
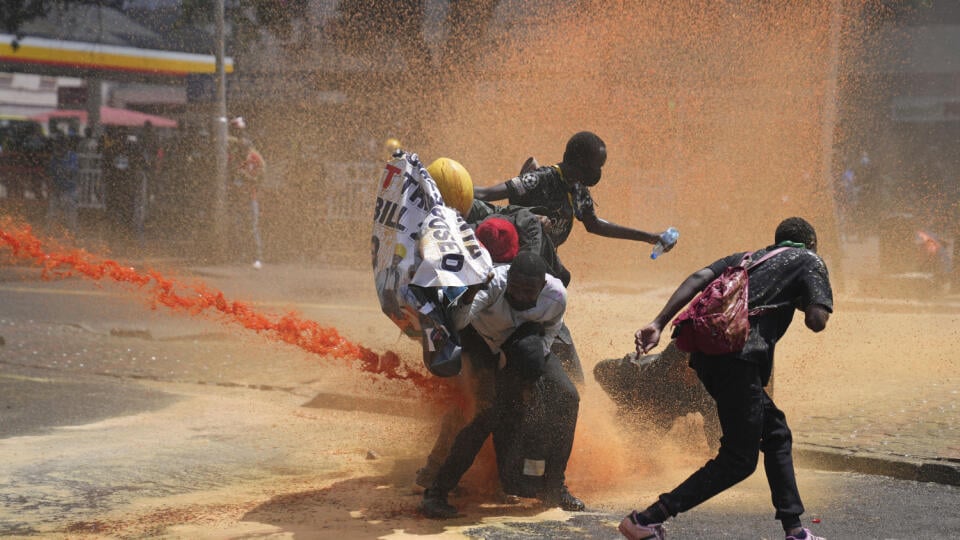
717,320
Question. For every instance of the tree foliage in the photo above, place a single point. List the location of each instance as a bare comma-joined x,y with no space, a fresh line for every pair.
245,17
363,27
15,13
369,28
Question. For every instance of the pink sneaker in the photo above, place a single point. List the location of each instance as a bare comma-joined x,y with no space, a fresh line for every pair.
631,528
809,536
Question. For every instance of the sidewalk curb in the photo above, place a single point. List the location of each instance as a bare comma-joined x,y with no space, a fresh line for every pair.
902,468
899,305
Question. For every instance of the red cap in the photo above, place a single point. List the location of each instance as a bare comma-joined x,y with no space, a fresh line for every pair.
499,236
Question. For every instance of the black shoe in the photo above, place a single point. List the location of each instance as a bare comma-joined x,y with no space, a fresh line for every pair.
564,500
435,506
425,476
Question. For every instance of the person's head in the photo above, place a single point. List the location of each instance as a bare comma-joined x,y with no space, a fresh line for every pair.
238,122
584,158
454,182
500,238
796,230
525,279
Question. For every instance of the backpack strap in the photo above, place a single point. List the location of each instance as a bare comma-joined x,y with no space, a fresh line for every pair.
766,256
760,310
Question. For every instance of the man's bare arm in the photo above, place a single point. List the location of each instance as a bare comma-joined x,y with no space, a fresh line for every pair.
490,194
602,227
648,337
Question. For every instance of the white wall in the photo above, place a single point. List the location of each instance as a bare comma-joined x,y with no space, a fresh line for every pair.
25,94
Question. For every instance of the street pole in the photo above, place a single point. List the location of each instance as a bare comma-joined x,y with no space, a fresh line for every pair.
220,140
94,101
830,114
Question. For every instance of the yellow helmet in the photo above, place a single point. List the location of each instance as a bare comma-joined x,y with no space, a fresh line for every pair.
390,146
400,251
454,183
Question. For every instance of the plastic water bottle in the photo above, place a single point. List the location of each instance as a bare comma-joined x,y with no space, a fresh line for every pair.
667,240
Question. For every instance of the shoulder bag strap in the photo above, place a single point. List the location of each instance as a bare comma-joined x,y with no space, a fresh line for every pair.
766,256
760,310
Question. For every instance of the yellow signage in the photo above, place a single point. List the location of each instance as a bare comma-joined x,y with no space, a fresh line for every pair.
96,56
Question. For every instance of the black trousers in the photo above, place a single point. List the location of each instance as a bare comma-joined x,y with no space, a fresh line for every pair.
538,428
750,423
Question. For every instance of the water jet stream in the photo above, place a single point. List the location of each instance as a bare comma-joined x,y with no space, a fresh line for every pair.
198,299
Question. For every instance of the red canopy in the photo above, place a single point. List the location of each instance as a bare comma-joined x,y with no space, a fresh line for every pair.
109,116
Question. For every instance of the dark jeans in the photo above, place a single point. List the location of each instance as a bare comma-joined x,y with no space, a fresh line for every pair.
552,409
750,423
543,437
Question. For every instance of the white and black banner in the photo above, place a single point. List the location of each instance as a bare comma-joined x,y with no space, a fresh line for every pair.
418,241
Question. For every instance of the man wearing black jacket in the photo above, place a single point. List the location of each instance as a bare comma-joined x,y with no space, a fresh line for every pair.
750,421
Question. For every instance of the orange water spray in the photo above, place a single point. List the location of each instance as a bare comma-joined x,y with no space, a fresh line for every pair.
198,299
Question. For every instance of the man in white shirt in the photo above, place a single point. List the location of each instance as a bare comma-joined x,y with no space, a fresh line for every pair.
518,314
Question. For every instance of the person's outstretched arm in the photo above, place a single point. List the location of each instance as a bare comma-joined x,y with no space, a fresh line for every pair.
492,193
602,227
648,337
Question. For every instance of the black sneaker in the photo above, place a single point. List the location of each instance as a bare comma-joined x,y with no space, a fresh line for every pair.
425,476
435,506
564,499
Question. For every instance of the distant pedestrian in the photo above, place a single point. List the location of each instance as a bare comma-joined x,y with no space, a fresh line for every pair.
150,144
125,183
247,170
64,173
88,144
750,422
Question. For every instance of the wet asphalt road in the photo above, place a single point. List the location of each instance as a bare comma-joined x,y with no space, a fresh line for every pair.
74,355
50,374
36,401
105,402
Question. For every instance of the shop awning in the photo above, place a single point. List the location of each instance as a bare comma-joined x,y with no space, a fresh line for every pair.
109,116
